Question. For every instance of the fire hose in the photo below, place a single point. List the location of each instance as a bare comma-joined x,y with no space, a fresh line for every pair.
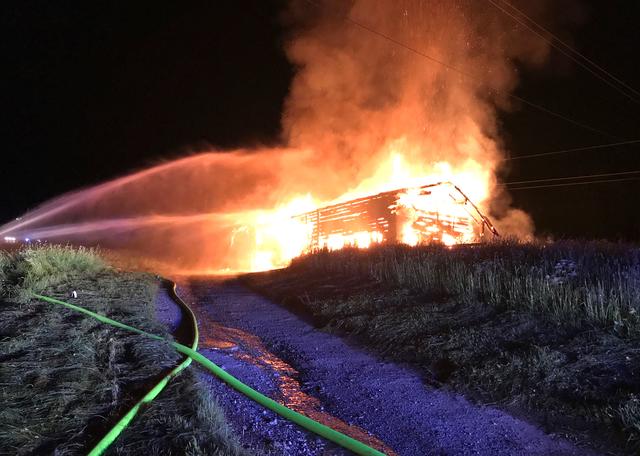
307,423
120,426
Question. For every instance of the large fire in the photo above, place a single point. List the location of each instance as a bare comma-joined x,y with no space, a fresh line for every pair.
364,118
425,209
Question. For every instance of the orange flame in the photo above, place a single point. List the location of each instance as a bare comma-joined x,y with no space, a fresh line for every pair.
279,236
363,117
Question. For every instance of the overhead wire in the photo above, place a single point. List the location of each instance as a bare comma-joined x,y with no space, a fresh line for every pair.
541,108
585,176
362,26
575,149
569,184
552,42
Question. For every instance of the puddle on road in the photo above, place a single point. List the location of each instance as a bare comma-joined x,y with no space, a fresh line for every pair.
249,348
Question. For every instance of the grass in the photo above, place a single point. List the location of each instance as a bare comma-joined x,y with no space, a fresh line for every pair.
66,379
32,270
548,330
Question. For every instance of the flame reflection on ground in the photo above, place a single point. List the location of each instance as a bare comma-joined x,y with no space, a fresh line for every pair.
250,349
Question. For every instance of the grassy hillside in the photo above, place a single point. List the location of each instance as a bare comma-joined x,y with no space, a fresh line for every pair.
66,378
549,330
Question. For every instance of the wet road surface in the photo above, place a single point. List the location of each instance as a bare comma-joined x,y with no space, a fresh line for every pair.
383,404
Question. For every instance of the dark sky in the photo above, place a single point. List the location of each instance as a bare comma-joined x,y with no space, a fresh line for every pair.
95,89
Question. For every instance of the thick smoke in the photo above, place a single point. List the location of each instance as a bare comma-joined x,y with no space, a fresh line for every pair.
356,99
356,92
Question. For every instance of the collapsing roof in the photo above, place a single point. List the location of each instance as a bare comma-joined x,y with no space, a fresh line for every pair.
438,212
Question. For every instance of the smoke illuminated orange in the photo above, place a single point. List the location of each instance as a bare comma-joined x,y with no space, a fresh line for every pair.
363,117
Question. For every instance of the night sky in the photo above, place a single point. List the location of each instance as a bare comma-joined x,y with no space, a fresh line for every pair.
92,90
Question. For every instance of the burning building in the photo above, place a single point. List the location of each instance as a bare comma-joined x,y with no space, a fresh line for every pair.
438,212
364,116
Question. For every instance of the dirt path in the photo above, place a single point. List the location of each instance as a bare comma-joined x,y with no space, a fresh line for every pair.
321,375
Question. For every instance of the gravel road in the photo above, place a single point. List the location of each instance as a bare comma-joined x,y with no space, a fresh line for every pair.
327,378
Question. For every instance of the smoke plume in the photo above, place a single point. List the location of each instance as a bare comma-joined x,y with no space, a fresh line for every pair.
378,83
357,93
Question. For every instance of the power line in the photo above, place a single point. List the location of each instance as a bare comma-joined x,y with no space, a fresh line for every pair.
615,86
560,116
352,21
569,184
567,46
586,176
575,149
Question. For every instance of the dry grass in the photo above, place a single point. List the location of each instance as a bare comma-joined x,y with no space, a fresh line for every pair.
31,270
65,378
552,329
595,283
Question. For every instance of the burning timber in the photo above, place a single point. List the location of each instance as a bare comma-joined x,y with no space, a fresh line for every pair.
438,212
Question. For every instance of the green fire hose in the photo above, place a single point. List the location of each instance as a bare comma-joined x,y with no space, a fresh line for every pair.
120,426
311,425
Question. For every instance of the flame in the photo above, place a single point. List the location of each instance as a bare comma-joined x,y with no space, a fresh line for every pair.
363,117
361,239
279,236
